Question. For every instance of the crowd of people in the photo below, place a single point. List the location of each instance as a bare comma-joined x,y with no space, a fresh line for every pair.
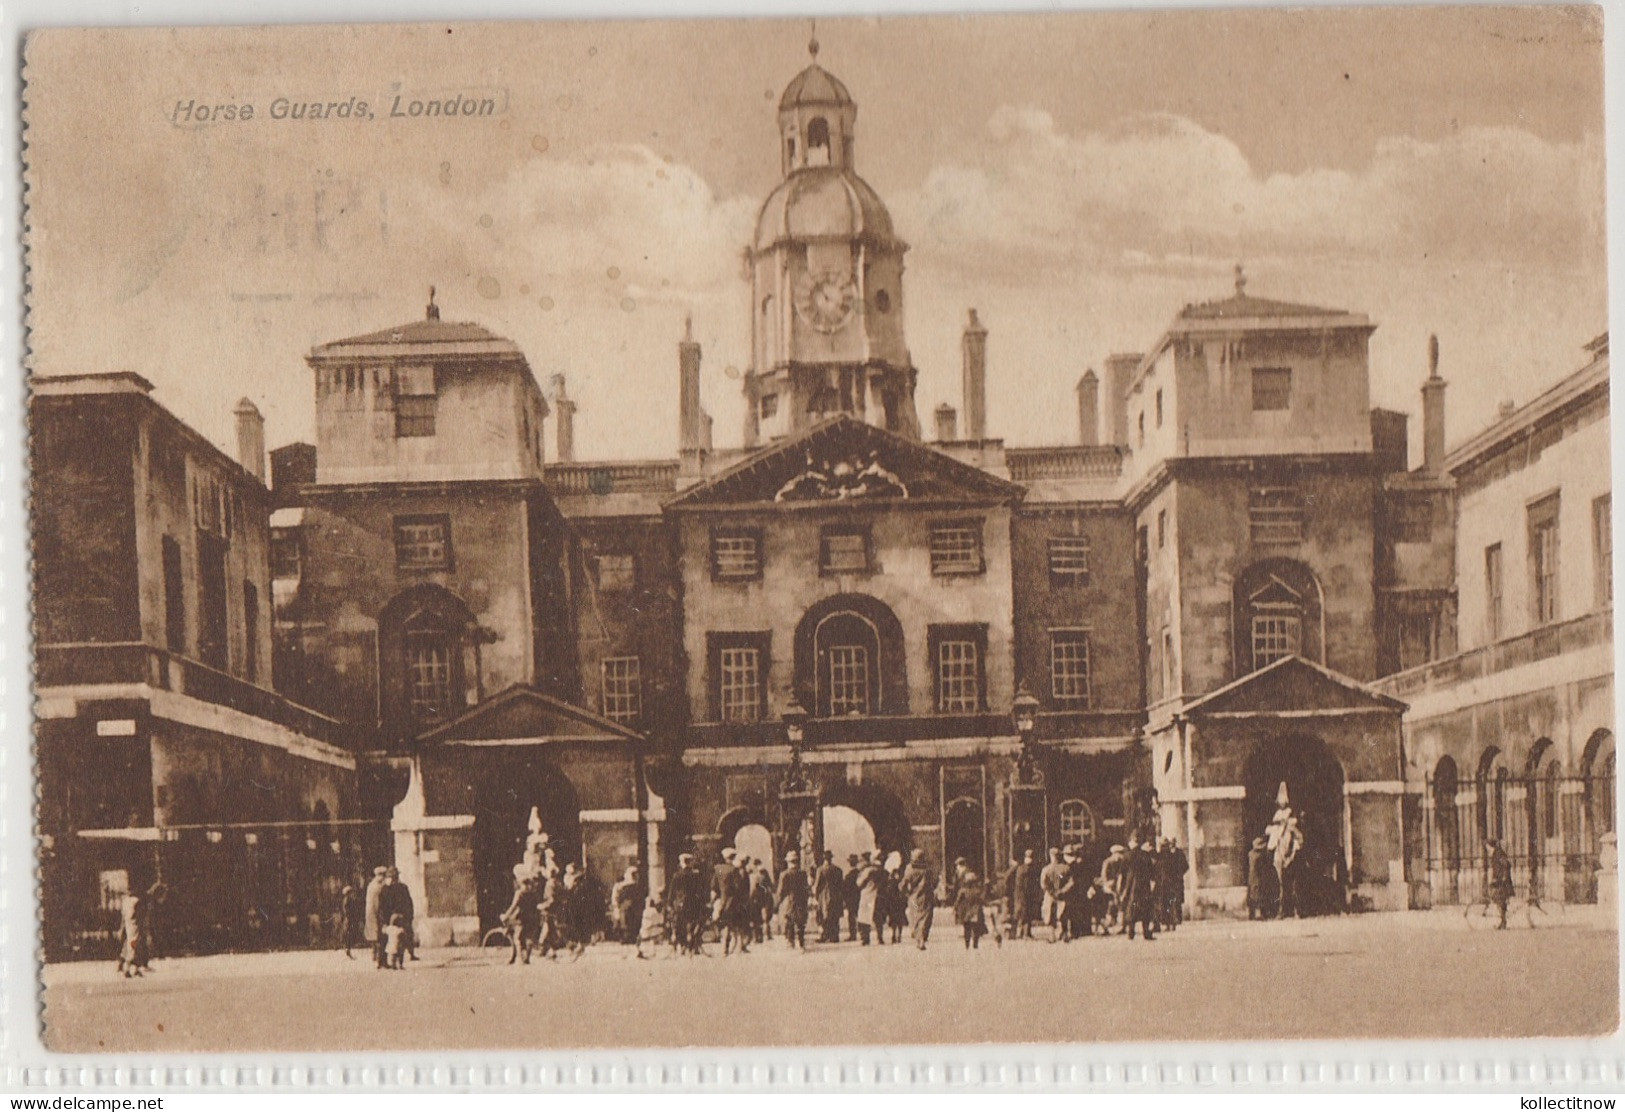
739,902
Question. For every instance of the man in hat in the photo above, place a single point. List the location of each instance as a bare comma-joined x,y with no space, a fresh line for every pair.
849,896
1260,877
685,904
1049,880
793,893
1112,876
1069,893
626,902
828,885
375,936
730,899
1171,864
919,888
1140,892
1023,892
1500,870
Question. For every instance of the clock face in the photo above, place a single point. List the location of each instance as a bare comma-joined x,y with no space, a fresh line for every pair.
825,299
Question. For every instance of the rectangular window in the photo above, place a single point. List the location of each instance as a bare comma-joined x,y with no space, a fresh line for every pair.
1602,548
1069,667
1418,639
428,676
1069,561
741,680
251,631
423,543
1414,520
736,554
1162,528
958,655
1493,626
1170,666
1543,558
843,551
285,554
212,605
415,401
848,680
1275,636
770,405
174,597
1272,389
617,571
956,548
1275,515
1159,409
623,689
1139,420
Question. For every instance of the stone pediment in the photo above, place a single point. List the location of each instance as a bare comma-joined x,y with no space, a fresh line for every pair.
846,460
1292,685
524,715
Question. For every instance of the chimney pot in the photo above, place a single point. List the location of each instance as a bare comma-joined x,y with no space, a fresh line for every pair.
1433,413
690,418
1088,409
250,438
564,408
974,345
947,423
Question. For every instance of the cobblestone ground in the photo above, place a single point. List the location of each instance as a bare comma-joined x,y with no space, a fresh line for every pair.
1375,976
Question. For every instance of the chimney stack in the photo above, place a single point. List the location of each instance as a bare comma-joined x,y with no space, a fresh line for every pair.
565,407
690,420
947,423
1089,409
975,380
1433,413
1119,373
251,438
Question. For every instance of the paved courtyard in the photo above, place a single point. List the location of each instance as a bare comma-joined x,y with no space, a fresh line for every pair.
1375,976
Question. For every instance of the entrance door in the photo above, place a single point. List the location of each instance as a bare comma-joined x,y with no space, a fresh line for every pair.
1314,784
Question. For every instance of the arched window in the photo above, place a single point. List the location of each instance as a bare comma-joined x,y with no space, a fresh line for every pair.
818,142
848,650
1077,823
1277,604
1447,830
427,652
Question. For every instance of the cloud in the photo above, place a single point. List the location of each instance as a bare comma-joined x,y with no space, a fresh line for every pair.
1159,186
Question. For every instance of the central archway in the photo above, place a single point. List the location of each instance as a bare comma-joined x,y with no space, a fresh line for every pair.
1314,782
867,806
508,786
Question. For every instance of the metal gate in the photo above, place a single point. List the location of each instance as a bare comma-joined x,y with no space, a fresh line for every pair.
1549,826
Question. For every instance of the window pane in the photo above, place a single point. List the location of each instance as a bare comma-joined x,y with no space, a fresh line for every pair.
848,679
1069,666
428,677
1492,592
616,572
956,549
1077,822
1069,560
739,696
735,556
1274,636
1272,388
414,416
623,689
420,544
845,552
958,677
1275,515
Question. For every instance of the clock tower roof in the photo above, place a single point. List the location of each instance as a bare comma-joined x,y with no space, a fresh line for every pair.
826,203
814,85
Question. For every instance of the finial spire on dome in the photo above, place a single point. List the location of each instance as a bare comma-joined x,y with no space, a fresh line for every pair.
1241,281
433,311
812,43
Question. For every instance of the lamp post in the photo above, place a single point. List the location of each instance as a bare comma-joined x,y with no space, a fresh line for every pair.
800,814
1029,811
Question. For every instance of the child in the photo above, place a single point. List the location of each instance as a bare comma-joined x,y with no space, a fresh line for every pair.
968,910
653,927
395,943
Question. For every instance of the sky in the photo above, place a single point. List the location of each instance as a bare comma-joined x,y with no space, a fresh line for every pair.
1077,178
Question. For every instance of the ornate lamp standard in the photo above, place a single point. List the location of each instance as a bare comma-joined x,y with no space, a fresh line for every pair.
800,814
1029,810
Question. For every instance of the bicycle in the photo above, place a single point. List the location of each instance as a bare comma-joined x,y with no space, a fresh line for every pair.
1532,910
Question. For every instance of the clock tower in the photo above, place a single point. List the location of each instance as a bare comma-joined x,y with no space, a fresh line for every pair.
826,276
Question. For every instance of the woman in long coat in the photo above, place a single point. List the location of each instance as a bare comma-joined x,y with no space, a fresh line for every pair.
868,897
919,887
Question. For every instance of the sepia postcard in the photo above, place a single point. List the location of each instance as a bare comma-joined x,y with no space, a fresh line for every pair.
1016,529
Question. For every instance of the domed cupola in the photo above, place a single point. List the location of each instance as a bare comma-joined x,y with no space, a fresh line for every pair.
826,278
